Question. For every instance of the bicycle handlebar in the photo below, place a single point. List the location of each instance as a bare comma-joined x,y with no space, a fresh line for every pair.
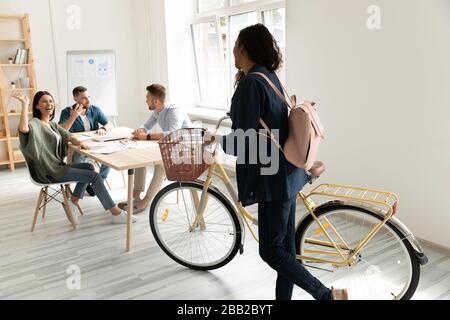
222,120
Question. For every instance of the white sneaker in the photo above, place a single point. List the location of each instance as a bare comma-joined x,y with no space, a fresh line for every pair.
74,210
122,218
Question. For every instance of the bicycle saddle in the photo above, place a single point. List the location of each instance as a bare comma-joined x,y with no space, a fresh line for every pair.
317,169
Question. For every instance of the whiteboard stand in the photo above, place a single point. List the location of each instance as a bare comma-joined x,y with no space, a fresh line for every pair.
95,70
113,120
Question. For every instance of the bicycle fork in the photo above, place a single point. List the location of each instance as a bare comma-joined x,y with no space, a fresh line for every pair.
200,205
244,216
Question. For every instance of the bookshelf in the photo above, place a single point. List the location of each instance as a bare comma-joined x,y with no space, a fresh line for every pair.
14,36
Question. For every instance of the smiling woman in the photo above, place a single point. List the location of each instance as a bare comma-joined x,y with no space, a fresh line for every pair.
45,145
43,105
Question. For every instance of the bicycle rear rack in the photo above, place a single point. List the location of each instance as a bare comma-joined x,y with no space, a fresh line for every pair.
363,196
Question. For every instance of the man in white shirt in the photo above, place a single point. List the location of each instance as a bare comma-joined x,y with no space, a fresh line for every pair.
170,118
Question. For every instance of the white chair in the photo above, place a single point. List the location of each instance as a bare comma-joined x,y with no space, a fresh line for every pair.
45,197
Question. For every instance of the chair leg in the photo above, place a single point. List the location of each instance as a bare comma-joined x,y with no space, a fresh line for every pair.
44,209
99,167
108,185
36,212
79,209
69,212
124,181
70,193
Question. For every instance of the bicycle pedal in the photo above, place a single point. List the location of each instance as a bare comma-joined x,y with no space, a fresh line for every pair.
241,249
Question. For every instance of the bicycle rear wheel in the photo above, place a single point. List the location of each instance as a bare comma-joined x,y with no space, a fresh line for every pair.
212,243
386,269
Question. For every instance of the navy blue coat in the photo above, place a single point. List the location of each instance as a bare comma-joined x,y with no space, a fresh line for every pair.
255,99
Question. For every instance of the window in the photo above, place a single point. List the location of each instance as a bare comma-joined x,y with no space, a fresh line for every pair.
207,5
209,63
275,21
235,2
215,31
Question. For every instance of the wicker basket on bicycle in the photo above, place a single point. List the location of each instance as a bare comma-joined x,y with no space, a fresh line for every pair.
185,155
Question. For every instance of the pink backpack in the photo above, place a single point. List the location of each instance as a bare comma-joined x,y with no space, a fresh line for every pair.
305,130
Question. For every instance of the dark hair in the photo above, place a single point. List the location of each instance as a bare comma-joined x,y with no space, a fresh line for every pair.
261,48
37,97
78,90
158,91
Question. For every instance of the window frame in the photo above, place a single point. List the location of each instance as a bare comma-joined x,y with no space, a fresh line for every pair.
228,10
216,21
258,6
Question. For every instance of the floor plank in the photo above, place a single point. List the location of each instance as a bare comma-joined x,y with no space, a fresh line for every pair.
33,266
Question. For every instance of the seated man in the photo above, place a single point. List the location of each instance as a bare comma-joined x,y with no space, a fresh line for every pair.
84,117
170,118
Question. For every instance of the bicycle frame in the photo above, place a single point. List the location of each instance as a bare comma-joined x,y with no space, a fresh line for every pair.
342,250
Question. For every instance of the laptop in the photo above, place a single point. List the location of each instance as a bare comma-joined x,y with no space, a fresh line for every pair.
111,137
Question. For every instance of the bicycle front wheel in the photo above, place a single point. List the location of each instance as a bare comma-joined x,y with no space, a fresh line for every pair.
209,245
386,268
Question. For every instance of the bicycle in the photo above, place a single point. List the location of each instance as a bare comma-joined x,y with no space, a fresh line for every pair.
350,239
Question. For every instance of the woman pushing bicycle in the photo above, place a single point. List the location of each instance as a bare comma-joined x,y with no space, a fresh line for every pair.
256,50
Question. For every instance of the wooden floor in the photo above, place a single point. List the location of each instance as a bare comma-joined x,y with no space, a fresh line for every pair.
34,266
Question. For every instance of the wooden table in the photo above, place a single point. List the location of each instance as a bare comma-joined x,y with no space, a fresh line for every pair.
129,159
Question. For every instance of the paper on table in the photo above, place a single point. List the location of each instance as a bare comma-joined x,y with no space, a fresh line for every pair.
142,144
118,146
93,144
83,138
108,149
116,131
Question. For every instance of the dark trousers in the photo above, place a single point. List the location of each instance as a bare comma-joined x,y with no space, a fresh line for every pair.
277,248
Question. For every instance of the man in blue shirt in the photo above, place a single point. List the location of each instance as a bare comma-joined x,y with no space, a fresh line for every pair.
84,117
170,118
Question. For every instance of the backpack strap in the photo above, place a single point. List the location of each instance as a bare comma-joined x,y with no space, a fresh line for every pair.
283,98
275,89
315,120
306,106
271,135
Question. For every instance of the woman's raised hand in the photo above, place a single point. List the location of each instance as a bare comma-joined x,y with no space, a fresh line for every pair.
23,123
25,100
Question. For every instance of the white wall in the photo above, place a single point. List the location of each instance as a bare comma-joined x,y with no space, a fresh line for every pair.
105,24
384,98
167,45
151,48
180,55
